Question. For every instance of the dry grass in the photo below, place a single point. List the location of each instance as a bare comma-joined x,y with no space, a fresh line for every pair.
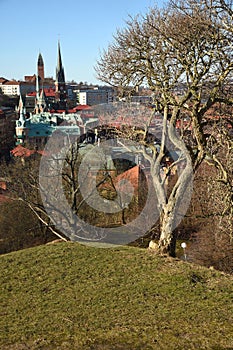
69,296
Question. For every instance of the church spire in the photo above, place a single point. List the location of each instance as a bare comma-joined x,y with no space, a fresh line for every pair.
40,67
21,127
60,84
40,60
60,75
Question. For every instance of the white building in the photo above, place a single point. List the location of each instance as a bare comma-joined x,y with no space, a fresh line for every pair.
15,88
95,96
11,87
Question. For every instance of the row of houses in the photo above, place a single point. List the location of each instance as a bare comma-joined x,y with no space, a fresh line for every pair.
62,91
83,95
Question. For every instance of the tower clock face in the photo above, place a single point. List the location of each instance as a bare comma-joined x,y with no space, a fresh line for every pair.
61,87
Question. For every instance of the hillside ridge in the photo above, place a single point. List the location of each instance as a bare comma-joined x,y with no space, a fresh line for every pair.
70,296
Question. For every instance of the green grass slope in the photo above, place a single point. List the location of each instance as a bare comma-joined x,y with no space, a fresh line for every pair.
69,296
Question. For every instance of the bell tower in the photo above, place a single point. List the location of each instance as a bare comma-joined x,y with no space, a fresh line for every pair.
40,68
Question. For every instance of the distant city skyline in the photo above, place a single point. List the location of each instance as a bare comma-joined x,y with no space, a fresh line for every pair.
84,29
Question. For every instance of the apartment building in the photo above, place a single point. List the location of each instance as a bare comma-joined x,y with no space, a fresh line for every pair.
15,88
95,96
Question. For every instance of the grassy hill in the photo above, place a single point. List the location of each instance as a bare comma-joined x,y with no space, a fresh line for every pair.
69,296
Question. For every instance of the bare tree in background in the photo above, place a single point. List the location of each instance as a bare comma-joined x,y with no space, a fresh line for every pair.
183,53
22,177
49,186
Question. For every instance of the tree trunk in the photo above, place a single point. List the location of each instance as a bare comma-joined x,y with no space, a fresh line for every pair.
167,240
178,200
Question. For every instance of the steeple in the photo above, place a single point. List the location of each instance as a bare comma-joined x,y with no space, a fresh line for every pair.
60,85
40,67
60,75
40,60
21,128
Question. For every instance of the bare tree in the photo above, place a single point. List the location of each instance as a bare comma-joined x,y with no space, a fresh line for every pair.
183,53
50,187
59,186
22,177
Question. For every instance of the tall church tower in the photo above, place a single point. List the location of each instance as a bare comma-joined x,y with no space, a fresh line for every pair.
60,86
40,68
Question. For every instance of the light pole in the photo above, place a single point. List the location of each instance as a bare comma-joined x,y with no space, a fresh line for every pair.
184,245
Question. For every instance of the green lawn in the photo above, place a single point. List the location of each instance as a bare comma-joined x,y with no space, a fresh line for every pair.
69,296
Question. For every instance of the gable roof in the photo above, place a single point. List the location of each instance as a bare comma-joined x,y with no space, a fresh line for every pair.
20,151
49,92
12,82
3,80
131,175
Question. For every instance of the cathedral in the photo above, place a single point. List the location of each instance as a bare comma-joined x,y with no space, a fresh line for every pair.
43,103
46,96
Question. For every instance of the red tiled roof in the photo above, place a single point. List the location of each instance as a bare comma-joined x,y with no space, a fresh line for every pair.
20,151
57,111
12,82
81,107
131,175
30,78
3,80
49,92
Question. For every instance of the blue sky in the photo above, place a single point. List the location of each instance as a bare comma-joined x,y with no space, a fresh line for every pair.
84,29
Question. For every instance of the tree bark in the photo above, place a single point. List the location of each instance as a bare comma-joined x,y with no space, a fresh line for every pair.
167,241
